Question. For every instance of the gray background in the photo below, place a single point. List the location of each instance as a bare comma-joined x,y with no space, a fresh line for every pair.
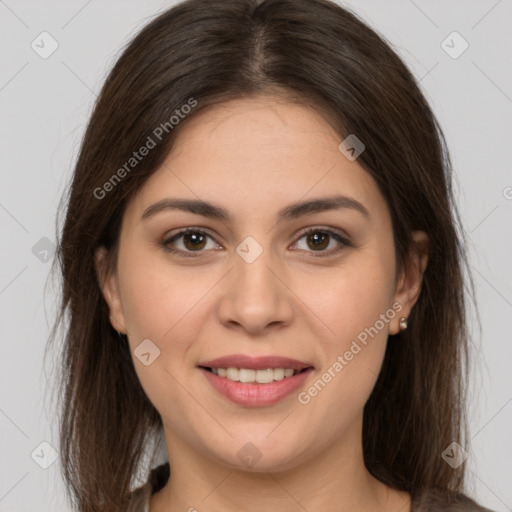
44,105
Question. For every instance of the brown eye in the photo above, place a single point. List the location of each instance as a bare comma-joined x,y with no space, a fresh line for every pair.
191,241
318,240
194,241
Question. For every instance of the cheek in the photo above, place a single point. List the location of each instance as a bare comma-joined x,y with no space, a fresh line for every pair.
157,298
354,302
163,305
349,298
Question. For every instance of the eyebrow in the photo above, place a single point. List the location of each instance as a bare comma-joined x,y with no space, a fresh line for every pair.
290,212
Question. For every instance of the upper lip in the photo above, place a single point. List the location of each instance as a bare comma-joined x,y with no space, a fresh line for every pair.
255,363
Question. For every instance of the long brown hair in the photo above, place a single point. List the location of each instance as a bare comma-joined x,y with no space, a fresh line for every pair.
317,53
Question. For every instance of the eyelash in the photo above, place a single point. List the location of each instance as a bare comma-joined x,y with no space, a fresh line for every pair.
315,254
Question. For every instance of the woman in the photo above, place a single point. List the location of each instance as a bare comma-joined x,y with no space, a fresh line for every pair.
261,260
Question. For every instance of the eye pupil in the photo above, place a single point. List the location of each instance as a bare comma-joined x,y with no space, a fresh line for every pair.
195,238
316,237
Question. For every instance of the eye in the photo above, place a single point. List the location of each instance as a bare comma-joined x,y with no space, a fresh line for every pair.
319,239
194,240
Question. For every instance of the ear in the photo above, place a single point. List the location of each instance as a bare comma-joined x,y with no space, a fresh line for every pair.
409,284
109,287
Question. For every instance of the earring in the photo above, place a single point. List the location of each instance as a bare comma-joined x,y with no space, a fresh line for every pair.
403,323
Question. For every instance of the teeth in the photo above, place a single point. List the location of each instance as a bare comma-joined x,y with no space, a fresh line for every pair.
232,374
260,376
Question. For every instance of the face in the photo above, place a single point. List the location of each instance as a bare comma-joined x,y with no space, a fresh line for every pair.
315,285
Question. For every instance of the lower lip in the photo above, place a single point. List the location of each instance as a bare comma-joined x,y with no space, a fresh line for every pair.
255,395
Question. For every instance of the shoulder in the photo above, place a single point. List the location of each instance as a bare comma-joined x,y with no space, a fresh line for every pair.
140,497
437,500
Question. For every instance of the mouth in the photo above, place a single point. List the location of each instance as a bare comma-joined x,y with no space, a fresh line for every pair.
252,369
256,381
253,375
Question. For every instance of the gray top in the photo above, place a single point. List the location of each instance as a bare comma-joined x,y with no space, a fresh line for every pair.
431,500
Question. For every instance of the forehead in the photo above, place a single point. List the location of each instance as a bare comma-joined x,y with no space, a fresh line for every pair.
258,154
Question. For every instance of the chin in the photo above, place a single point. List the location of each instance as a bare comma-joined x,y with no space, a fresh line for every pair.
253,459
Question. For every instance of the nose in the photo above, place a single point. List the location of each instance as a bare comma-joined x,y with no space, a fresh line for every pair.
255,296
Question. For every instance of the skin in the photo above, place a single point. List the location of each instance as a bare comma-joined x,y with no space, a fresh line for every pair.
255,156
